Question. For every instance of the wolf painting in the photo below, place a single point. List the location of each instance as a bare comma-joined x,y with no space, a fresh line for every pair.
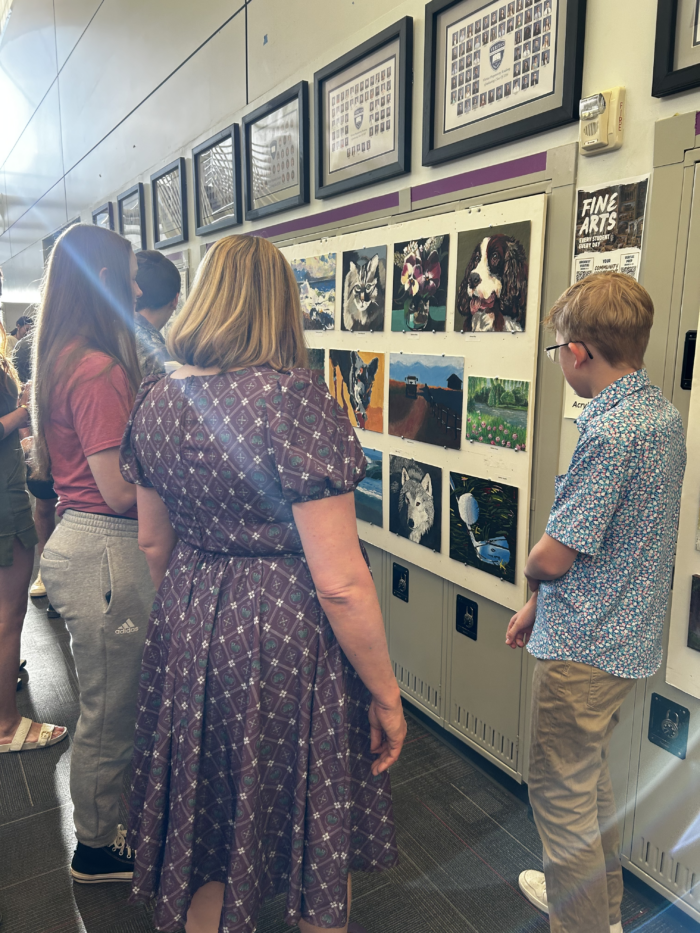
415,497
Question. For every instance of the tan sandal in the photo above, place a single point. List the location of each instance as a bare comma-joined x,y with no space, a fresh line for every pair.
46,737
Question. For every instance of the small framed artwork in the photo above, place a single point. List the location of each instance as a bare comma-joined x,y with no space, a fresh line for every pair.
363,113
104,216
217,182
276,144
677,47
131,214
169,194
491,80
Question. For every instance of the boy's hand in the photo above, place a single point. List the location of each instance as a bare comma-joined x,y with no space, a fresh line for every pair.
521,624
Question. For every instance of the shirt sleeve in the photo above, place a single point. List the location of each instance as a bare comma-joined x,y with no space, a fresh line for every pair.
314,445
587,496
100,403
130,461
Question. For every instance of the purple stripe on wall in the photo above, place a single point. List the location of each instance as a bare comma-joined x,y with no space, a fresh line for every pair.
481,176
697,122
385,202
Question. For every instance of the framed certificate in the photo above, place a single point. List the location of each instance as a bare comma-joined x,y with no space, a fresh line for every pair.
217,182
169,193
276,144
677,48
104,216
363,113
499,71
131,215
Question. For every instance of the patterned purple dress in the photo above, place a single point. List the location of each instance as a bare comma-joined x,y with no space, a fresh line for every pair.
251,763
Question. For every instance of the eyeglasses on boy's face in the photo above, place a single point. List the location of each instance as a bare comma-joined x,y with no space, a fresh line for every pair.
553,352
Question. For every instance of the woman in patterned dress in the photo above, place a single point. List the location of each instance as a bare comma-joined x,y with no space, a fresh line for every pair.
268,712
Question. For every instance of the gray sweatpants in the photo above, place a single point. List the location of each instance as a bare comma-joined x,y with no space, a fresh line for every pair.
97,578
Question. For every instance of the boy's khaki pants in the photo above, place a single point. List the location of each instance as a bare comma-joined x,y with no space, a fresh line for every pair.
575,708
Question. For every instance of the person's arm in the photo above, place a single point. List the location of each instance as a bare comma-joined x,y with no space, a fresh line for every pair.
19,418
119,495
521,624
328,531
157,537
549,559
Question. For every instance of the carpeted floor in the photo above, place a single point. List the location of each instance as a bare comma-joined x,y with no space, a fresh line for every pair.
464,835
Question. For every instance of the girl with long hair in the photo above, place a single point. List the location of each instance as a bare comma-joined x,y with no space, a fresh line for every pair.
268,708
17,541
85,378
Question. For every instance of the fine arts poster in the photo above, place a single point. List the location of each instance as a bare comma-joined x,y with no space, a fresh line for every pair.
484,525
420,284
364,289
357,385
415,497
315,277
497,412
368,495
425,398
492,277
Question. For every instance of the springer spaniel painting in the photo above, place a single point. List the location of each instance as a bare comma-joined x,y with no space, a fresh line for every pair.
493,292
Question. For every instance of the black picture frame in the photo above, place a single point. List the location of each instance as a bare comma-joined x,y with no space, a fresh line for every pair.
126,195
108,209
237,217
179,165
403,32
299,92
558,115
665,81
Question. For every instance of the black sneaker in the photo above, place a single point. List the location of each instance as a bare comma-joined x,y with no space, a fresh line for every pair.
114,862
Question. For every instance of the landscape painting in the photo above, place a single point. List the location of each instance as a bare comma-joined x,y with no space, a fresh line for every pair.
419,299
492,278
484,525
364,289
316,280
425,398
357,385
415,497
368,495
497,412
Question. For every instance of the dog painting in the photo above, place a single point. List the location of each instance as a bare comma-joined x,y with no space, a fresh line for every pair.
492,267
357,385
415,497
364,289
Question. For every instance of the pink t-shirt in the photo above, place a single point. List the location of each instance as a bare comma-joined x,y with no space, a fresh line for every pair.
89,413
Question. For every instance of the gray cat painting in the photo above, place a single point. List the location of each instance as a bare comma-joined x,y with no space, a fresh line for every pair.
364,289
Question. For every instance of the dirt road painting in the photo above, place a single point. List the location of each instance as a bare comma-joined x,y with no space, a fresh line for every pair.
425,398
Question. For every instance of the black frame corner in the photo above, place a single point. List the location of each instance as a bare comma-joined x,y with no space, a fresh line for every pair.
665,81
567,112
301,92
237,218
135,189
179,163
109,207
403,31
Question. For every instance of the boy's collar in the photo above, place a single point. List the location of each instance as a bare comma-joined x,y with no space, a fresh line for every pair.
613,394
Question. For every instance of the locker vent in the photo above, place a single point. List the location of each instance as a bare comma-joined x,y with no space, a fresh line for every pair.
480,731
414,685
682,880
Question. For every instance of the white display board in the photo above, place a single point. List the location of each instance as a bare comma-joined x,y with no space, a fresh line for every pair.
683,664
503,355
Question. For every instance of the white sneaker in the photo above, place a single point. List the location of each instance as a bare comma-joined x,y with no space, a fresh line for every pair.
37,589
532,884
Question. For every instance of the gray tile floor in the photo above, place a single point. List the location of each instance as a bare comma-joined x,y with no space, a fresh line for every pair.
464,836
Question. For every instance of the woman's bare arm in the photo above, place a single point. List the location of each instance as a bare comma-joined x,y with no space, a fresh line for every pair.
114,489
157,536
328,531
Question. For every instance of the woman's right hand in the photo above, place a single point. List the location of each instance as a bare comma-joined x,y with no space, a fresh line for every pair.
388,731
26,396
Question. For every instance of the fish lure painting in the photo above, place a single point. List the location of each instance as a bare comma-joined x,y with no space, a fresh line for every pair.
483,525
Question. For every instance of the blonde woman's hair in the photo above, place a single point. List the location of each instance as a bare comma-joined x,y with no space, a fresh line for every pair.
611,311
243,310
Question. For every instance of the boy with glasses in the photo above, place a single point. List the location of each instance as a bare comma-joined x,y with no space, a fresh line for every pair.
600,577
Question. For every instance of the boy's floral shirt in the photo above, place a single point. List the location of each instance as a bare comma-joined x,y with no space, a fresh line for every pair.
618,506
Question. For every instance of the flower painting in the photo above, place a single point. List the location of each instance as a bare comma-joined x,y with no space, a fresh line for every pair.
420,284
497,412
